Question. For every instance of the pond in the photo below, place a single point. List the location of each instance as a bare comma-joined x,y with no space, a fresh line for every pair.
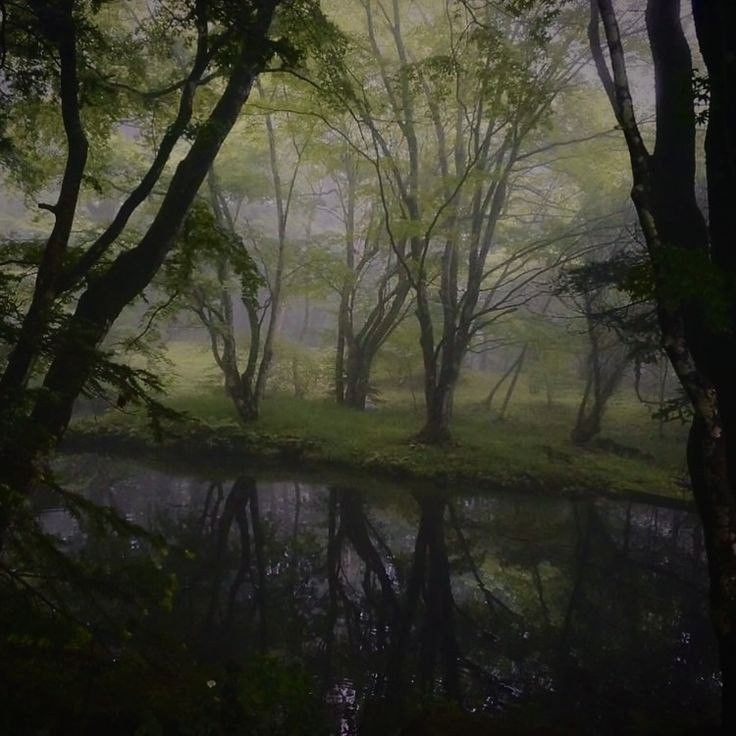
362,606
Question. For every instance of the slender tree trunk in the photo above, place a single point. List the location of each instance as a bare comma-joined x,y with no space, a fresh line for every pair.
249,397
488,401
340,366
664,369
605,372
344,316
587,423
510,391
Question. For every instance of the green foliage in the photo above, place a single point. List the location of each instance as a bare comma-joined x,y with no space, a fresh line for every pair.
203,243
300,371
316,43
135,386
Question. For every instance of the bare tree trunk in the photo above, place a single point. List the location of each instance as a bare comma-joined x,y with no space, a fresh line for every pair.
276,288
510,391
347,292
356,377
488,401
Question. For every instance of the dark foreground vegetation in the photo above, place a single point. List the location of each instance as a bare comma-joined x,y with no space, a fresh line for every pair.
310,605
468,245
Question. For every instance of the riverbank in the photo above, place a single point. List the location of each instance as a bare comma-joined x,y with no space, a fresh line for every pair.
517,454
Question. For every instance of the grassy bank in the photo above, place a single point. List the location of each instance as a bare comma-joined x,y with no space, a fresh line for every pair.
528,449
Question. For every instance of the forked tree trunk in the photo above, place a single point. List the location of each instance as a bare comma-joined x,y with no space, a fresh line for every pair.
514,380
488,401
600,386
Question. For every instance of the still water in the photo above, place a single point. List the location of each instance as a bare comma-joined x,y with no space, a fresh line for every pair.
588,614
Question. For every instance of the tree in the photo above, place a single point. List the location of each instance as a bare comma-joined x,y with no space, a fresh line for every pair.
374,286
447,130
207,276
228,39
618,331
691,268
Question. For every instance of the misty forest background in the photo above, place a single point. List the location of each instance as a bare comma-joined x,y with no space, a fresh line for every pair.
436,164
393,238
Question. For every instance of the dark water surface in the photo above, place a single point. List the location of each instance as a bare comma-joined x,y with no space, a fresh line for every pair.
589,615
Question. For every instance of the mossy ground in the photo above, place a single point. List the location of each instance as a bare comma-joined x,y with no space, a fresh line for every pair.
530,448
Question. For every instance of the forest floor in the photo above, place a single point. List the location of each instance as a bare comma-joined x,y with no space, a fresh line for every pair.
529,449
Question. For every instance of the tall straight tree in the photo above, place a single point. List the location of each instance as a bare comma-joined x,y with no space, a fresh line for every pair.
692,267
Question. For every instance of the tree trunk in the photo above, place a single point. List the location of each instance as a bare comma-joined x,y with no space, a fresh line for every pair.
246,403
604,377
25,351
708,464
283,205
488,401
436,430
588,422
357,375
340,366
514,380
714,22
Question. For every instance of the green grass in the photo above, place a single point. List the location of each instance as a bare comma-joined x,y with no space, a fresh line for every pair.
530,448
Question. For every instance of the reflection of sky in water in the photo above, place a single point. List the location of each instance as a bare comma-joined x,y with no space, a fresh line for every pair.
487,599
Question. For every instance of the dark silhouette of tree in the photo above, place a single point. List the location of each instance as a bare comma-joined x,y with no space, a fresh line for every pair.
692,268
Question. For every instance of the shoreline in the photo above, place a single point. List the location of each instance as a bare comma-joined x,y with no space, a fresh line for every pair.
230,447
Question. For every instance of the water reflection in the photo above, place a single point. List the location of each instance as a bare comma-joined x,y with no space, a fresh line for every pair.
588,614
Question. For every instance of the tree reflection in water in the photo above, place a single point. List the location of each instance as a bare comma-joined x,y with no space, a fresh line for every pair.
588,614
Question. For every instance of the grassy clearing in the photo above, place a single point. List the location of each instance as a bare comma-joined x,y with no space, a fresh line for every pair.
530,448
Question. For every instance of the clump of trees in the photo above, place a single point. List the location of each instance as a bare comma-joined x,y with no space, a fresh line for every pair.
190,63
